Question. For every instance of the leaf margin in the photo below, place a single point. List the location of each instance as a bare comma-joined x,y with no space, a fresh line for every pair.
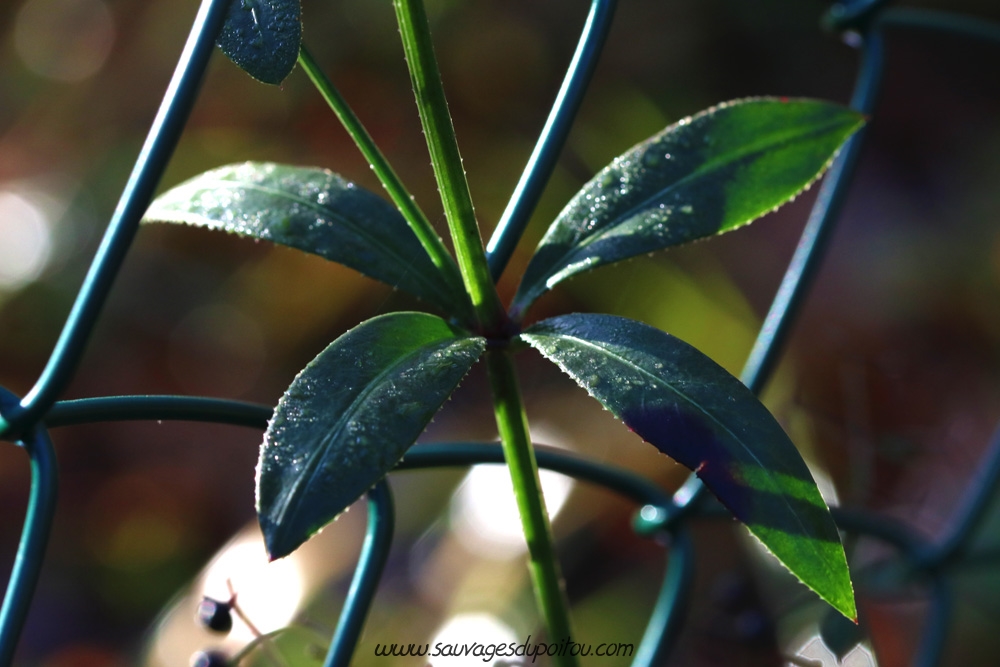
536,282
460,350
267,52
842,597
177,205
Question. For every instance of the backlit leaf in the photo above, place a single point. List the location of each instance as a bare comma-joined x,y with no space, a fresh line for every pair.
691,409
704,175
314,210
262,37
349,416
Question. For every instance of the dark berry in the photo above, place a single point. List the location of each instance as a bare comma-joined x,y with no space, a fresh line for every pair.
215,615
209,659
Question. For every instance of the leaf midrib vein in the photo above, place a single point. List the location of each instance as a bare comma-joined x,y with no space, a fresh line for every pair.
704,169
624,361
312,465
348,222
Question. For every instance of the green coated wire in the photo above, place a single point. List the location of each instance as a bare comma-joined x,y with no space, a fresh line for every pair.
34,538
853,14
815,238
667,615
374,554
940,22
973,511
804,265
160,142
666,619
936,625
552,138
18,419
181,408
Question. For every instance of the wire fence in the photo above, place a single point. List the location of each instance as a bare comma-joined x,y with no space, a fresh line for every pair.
26,420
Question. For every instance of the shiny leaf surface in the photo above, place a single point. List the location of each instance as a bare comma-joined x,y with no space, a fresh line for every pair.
704,175
262,37
349,416
692,410
314,210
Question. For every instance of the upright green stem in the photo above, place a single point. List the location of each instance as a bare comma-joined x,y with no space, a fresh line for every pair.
393,185
511,420
447,163
520,456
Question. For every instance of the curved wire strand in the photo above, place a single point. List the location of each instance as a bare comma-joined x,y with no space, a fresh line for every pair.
34,539
179,408
159,146
19,419
552,138
804,265
668,612
374,554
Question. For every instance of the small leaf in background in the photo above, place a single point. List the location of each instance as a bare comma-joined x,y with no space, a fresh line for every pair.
262,37
350,415
316,211
707,174
291,646
692,410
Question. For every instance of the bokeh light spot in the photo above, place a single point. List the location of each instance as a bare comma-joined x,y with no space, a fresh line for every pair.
465,629
813,650
269,593
26,244
484,514
65,40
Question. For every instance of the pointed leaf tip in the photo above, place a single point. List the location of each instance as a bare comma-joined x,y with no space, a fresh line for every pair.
707,174
350,415
691,409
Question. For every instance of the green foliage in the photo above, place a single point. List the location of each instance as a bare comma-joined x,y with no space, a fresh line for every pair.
316,211
350,415
692,410
704,175
262,37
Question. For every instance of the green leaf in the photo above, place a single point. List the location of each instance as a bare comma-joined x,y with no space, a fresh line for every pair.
704,175
316,211
262,37
294,645
349,416
691,409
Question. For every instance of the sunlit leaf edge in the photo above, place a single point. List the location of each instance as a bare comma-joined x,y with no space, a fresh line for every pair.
537,281
832,564
406,266
434,343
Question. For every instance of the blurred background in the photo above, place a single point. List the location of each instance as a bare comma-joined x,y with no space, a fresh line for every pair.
890,385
